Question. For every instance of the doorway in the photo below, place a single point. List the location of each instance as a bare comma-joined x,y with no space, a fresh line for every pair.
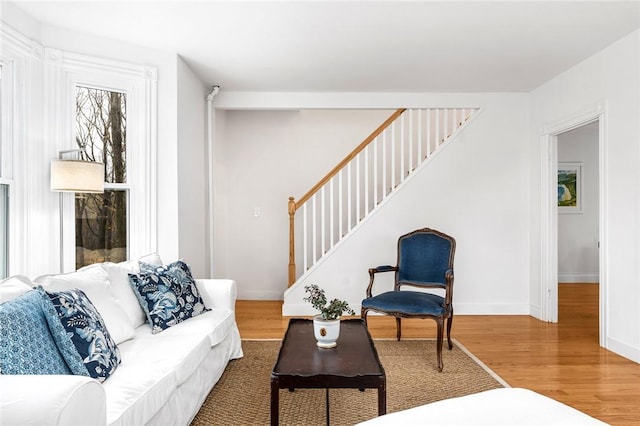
578,222
549,215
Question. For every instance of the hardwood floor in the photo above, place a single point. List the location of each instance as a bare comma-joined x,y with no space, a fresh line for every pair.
562,361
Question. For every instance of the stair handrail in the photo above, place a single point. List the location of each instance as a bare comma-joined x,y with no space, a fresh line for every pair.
293,205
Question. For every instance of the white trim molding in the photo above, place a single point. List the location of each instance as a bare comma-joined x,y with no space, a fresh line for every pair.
22,107
549,213
18,44
210,218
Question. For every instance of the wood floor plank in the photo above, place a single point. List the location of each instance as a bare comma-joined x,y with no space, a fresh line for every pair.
563,361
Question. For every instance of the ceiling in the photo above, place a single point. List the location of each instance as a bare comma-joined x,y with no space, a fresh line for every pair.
359,46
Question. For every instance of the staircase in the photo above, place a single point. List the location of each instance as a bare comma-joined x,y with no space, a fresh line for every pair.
365,179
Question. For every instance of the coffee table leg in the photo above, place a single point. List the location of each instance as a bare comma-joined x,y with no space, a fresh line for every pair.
275,403
327,397
382,399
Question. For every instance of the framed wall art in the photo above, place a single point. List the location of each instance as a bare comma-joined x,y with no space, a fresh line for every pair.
569,187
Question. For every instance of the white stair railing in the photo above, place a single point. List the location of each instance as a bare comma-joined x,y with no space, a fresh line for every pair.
365,178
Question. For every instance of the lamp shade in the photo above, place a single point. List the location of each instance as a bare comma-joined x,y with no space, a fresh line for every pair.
77,176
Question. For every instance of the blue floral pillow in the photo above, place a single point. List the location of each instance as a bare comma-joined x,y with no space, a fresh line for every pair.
80,333
26,344
158,300
182,284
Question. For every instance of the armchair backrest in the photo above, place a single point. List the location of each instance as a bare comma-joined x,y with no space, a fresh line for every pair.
424,256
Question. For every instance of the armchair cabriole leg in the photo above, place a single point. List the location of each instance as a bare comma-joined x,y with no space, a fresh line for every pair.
449,322
439,343
398,328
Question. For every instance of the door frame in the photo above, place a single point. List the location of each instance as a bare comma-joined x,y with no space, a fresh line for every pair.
549,213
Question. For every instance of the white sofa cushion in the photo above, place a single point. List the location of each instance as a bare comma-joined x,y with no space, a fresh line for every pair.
93,280
14,286
152,368
180,353
218,293
214,324
136,391
186,401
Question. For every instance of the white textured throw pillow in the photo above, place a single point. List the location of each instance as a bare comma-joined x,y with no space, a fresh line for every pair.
93,280
14,286
151,258
119,278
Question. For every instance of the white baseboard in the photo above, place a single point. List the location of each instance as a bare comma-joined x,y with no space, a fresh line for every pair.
491,309
259,295
535,311
578,278
292,310
623,349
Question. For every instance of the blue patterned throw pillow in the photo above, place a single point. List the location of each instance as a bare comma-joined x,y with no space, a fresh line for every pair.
158,301
26,345
80,333
183,285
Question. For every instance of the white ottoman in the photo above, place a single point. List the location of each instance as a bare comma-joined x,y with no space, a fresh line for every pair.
505,406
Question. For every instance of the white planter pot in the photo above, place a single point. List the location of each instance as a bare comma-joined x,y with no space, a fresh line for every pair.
326,331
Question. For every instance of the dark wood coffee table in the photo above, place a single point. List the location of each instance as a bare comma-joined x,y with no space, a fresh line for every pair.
354,363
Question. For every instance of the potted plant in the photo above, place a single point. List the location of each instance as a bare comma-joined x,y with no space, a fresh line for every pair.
326,325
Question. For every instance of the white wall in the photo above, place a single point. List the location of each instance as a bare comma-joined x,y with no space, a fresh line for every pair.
611,79
476,190
220,194
578,233
268,156
192,176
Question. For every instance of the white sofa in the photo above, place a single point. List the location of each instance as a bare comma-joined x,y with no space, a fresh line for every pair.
163,378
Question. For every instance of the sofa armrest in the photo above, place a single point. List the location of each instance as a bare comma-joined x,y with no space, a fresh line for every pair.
51,400
218,293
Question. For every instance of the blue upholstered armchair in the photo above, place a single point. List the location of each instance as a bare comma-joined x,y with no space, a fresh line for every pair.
425,260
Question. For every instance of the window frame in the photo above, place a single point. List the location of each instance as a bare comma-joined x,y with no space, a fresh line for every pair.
139,83
6,262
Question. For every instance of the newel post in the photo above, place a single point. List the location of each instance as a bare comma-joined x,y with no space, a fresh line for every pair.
292,250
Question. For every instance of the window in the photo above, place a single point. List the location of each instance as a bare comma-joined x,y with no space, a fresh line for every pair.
101,220
109,110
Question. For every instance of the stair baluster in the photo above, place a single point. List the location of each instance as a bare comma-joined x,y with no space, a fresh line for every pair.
381,163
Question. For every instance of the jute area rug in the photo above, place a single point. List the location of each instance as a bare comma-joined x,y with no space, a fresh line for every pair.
242,396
